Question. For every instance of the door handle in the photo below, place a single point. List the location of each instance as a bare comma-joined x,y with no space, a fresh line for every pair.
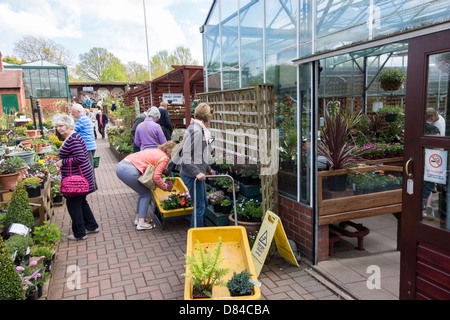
408,174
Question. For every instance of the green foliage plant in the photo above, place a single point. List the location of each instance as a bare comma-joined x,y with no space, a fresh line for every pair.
32,182
225,203
239,284
19,210
204,268
391,79
19,243
11,165
10,282
47,234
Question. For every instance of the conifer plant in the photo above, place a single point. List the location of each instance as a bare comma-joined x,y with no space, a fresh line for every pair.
19,210
10,282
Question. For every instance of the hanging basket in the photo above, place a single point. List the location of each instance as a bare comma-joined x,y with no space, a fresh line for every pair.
391,85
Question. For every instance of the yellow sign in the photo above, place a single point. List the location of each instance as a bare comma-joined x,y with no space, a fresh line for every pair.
271,228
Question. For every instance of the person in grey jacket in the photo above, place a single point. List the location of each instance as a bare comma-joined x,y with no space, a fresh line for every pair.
194,162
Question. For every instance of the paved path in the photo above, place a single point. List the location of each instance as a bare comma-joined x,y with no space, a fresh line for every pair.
120,263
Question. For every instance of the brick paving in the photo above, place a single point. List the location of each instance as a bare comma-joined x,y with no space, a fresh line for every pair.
120,263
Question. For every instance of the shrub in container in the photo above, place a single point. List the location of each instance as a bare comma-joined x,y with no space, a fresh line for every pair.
239,284
10,282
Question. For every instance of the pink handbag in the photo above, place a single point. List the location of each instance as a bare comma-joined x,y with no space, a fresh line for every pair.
74,185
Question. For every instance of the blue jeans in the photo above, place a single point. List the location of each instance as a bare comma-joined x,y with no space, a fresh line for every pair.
129,175
201,201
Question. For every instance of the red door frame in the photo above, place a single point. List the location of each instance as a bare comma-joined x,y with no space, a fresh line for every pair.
416,234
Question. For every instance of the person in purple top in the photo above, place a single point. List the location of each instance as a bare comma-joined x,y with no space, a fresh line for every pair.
149,134
74,153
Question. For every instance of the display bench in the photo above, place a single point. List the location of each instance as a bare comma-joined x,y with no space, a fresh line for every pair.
359,193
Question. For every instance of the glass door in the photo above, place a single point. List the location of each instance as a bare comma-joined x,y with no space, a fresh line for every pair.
425,228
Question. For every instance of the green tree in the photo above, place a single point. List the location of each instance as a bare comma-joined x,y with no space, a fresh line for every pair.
32,48
137,72
100,65
13,60
162,61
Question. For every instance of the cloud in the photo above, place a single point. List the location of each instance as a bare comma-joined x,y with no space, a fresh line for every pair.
116,25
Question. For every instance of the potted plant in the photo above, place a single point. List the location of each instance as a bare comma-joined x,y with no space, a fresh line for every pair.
205,270
10,281
335,146
56,191
19,210
216,199
390,113
18,245
48,234
244,210
9,173
392,79
33,186
239,284
225,206
177,201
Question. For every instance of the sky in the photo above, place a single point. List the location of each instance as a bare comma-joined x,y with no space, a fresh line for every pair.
116,25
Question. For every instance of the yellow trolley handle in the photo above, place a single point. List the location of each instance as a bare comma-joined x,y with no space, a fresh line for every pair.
195,197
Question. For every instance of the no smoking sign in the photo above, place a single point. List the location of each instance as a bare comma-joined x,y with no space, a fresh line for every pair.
435,166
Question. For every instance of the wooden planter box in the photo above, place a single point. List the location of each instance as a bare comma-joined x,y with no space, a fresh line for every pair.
340,206
119,156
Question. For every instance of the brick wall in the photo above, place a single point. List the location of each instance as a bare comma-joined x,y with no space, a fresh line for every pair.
297,222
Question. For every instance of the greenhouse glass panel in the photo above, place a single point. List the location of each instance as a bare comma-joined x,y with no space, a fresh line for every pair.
252,24
27,82
252,72
62,83
54,83
212,43
230,44
306,27
281,71
392,16
35,83
281,25
45,84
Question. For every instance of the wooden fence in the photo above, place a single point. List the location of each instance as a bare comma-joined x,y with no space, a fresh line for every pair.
243,125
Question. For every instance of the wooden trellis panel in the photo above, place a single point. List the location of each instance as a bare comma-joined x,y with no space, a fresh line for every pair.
243,125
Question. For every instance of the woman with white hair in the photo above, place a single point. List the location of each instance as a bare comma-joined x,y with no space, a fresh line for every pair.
74,158
149,134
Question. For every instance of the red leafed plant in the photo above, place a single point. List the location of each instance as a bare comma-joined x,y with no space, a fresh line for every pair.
335,144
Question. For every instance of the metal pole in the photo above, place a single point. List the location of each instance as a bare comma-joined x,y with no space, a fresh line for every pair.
148,56
38,106
32,112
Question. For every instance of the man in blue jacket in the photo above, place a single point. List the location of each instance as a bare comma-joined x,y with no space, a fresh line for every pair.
85,128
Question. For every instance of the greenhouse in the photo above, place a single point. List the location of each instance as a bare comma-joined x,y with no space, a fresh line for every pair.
327,60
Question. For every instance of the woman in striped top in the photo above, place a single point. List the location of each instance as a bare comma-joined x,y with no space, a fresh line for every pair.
74,151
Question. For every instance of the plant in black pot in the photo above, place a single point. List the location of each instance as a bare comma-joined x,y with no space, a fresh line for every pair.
254,210
33,186
336,147
56,191
239,284
225,206
216,199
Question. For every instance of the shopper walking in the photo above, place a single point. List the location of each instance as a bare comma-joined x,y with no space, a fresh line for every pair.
74,158
133,166
102,121
194,161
